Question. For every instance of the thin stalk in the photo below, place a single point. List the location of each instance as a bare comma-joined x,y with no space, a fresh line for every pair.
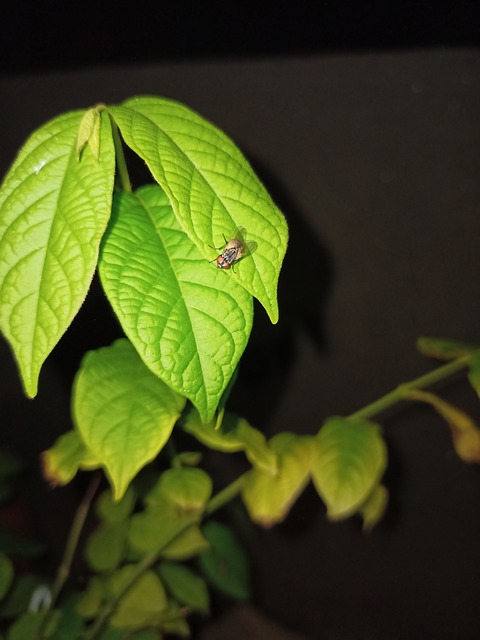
63,571
398,394
120,159
146,563
225,495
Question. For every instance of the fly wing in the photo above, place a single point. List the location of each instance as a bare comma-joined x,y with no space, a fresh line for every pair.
247,246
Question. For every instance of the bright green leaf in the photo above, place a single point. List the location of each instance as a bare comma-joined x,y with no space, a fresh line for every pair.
188,322
53,211
225,563
350,458
143,603
124,413
6,575
61,462
89,132
269,496
212,188
234,434
185,586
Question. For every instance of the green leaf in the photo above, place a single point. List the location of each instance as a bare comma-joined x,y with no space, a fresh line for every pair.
186,488
269,496
444,349
185,586
186,545
143,603
53,211
106,546
115,511
89,132
6,575
158,527
374,507
212,188
28,625
20,594
92,598
474,372
188,322
234,434
123,412
350,458
61,462
225,563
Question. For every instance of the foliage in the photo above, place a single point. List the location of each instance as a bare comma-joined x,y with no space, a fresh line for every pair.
67,209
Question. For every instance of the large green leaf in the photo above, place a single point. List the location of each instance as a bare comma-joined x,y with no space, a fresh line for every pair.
188,322
350,458
212,188
124,413
54,207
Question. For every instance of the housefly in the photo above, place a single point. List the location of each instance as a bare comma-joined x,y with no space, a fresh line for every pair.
234,250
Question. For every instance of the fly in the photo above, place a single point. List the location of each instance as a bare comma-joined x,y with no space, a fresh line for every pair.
234,250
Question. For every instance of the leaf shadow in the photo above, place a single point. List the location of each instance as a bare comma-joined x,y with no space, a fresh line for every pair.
304,287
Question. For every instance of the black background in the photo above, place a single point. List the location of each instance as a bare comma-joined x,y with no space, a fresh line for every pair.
362,120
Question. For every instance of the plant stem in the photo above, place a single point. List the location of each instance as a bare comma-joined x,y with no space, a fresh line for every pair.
398,394
120,159
225,495
145,563
63,571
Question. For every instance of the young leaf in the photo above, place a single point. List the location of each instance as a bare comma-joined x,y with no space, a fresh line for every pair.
269,496
106,546
115,511
211,187
188,489
157,527
445,349
234,434
465,433
142,604
374,507
54,208
185,585
61,462
123,412
225,563
350,458
189,324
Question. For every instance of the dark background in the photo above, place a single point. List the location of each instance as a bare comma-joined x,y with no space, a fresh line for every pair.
362,119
